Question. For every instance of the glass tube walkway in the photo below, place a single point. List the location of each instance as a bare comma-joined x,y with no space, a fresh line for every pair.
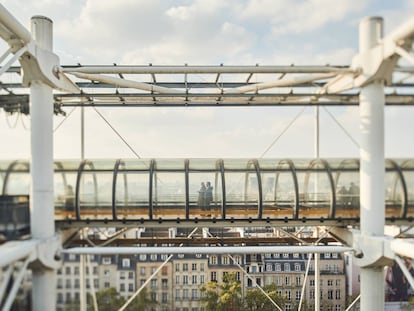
218,189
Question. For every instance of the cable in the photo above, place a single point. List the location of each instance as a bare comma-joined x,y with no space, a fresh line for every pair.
343,128
12,126
116,132
61,122
283,132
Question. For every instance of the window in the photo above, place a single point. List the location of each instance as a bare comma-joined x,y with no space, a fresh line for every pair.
288,307
287,280
77,283
164,298
72,257
201,266
177,279
177,294
68,283
311,282
213,260
194,294
312,294
225,260
164,270
338,282
164,283
288,295
193,267
106,260
328,267
285,255
278,267
296,255
238,259
185,279
164,257
107,285
276,255
268,255
126,263
142,271
279,281
327,255
202,279
330,294
67,270
194,279
269,267
298,281
185,266
337,307
286,267
297,295
76,271
185,294
153,257
154,283
177,267
338,294
122,287
213,276
142,257
334,255
122,275
130,275
330,282
297,266
335,268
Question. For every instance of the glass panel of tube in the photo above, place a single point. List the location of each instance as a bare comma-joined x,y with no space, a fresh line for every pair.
394,194
64,193
132,194
346,181
314,192
205,194
169,195
18,179
278,194
407,167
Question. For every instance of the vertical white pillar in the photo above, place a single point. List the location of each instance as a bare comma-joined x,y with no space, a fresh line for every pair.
372,169
317,270
41,196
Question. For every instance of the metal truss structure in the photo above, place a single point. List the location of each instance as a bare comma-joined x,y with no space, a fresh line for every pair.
373,80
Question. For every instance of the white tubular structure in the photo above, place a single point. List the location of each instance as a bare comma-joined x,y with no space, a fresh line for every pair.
41,198
372,169
211,250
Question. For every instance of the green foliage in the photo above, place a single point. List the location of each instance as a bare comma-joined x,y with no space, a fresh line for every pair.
223,297
257,300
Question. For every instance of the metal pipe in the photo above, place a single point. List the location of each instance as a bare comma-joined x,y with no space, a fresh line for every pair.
212,250
14,26
16,283
204,69
372,169
13,251
403,247
41,199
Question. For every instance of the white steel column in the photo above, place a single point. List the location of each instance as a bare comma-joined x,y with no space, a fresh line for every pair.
41,197
316,262
372,170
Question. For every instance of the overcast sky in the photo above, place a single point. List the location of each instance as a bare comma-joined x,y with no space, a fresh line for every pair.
208,32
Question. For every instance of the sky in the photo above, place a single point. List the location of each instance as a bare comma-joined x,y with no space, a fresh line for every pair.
208,32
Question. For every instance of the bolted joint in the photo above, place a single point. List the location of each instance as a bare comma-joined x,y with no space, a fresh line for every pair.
371,251
48,253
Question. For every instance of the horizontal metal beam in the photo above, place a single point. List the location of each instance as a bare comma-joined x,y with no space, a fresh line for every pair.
210,250
203,69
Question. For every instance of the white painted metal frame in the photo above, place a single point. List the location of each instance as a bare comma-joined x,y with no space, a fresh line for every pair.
371,69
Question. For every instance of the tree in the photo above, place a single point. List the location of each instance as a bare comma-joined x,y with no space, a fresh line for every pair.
256,300
224,296
107,299
141,302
